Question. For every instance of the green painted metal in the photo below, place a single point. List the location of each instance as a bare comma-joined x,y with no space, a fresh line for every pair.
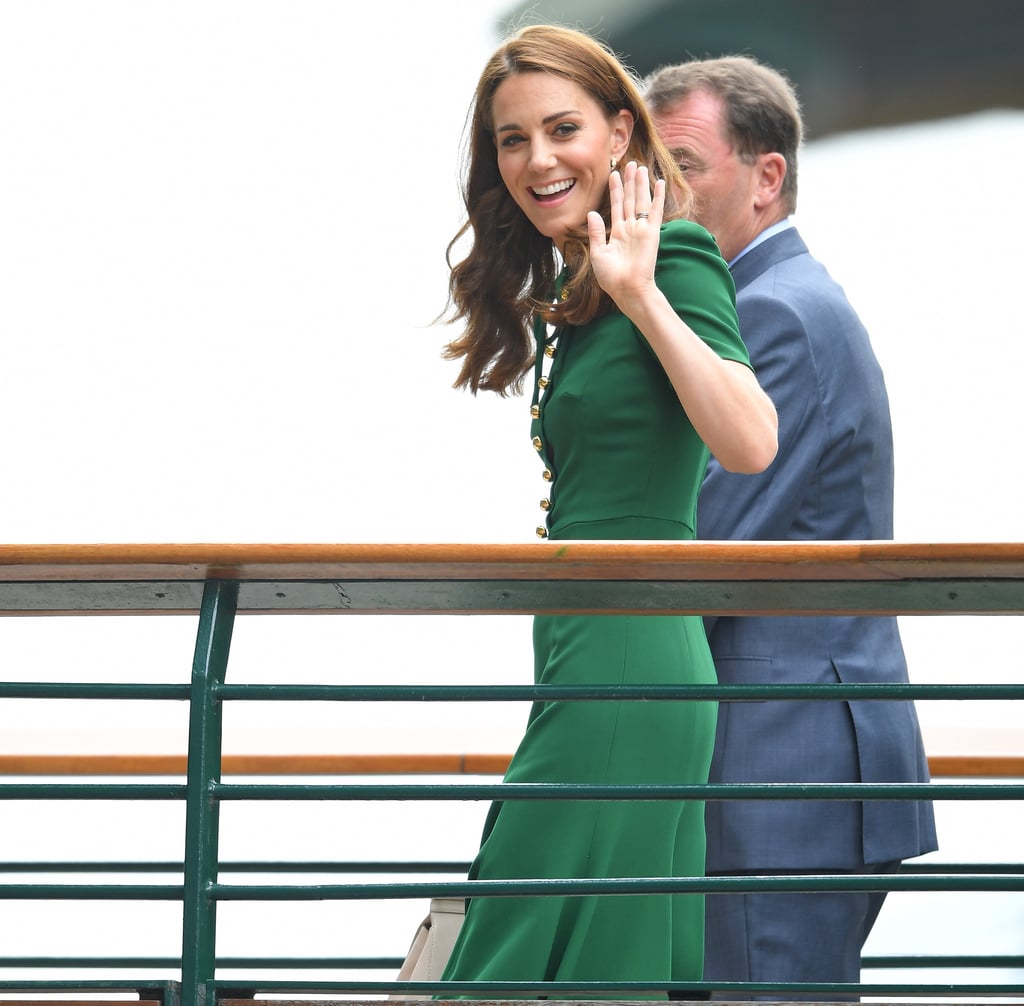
93,791
202,818
1003,961
587,791
944,961
90,690
91,892
612,886
383,866
584,990
247,866
615,693
505,693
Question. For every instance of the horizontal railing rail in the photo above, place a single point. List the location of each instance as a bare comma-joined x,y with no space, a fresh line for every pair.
457,764
218,582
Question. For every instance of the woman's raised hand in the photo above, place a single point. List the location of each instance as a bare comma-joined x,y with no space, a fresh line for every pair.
624,259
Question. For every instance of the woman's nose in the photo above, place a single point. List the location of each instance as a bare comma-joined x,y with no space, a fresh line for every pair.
542,156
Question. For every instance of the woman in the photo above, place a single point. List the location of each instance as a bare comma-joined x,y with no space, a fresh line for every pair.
639,371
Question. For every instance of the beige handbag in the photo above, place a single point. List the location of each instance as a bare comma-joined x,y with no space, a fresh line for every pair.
432,945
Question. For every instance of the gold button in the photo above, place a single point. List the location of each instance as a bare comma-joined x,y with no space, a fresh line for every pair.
549,351
543,382
535,411
545,504
542,532
547,476
538,443
565,294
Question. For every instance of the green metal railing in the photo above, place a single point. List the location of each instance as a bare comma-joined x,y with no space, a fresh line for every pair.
220,582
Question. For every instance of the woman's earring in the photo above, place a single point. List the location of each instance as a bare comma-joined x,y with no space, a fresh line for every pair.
615,163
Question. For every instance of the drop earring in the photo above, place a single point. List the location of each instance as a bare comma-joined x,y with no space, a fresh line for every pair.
615,163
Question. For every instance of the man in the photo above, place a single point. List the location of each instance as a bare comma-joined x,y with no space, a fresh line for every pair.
734,126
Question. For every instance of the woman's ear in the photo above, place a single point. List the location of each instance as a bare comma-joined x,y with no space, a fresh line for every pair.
622,132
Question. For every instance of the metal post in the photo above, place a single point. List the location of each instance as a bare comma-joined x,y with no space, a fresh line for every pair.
199,914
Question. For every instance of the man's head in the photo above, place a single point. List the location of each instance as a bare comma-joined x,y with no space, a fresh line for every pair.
734,126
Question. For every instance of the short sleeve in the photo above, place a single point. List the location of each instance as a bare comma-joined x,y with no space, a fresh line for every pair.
694,277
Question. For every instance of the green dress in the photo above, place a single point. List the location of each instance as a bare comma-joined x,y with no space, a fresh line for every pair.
622,462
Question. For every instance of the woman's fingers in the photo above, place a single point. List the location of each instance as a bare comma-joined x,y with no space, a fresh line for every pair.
615,197
631,198
628,191
657,203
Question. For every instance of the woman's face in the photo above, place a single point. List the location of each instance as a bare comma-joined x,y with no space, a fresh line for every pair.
555,147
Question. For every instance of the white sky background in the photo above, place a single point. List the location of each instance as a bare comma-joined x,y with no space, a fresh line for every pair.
222,235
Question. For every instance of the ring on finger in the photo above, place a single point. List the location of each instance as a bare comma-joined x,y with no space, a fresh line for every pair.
642,216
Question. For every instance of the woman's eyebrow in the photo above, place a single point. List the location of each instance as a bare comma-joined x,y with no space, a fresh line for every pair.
545,121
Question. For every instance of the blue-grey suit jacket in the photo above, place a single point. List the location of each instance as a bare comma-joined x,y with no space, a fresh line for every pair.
832,479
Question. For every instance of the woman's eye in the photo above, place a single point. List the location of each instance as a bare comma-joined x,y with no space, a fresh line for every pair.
565,129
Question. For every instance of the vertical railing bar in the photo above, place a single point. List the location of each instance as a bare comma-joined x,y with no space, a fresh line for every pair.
202,817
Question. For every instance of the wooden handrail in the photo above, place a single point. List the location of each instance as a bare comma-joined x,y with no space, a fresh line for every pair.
768,578
569,560
945,766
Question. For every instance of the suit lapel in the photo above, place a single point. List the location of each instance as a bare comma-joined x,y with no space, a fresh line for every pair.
787,244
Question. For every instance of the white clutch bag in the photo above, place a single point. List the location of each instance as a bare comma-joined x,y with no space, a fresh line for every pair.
432,945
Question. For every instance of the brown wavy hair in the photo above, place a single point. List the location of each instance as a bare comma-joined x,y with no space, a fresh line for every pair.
509,272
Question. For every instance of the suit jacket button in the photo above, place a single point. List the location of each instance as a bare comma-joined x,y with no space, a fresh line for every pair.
547,476
542,532
545,504
535,411
538,444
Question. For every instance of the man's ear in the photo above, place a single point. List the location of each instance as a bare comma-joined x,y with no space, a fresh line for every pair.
772,173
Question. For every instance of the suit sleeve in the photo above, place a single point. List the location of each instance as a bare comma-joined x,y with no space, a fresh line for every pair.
768,506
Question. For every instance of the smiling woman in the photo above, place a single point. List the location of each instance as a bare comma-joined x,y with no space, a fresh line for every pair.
636,357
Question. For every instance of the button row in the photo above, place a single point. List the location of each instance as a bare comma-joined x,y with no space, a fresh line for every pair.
544,383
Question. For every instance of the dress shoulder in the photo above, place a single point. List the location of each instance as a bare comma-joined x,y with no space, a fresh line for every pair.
693,275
